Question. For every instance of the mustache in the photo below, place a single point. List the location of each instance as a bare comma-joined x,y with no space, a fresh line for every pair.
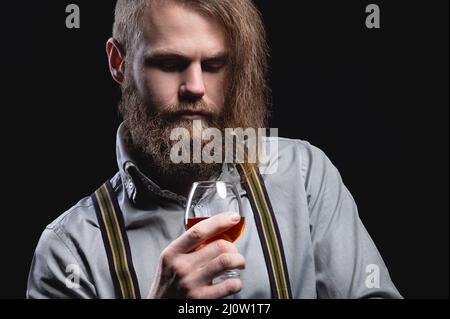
187,108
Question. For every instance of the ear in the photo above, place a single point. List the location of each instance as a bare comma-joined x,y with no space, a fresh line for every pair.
116,60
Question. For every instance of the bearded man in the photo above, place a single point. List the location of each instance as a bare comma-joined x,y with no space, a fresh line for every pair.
180,61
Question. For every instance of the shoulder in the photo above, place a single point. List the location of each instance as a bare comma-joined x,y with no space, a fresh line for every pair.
292,147
78,225
294,154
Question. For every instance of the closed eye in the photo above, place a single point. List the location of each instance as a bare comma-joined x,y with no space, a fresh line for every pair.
214,65
169,62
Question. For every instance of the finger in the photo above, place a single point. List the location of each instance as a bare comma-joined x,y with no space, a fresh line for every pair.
203,231
220,264
211,251
226,288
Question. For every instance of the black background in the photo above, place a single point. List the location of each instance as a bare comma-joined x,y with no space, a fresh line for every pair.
376,101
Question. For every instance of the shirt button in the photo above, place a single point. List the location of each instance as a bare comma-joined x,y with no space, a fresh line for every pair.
130,185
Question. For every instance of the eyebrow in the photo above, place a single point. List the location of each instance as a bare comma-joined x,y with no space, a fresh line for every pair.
175,55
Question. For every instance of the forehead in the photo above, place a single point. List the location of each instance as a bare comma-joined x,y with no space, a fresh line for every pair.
173,26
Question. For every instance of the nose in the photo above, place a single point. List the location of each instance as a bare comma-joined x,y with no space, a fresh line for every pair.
193,86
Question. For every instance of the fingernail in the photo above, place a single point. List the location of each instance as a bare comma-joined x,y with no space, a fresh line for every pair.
235,217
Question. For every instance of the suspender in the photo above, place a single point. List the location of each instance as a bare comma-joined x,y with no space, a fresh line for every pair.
116,243
268,231
117,247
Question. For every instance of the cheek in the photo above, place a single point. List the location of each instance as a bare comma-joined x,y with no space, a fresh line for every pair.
162,88
216,85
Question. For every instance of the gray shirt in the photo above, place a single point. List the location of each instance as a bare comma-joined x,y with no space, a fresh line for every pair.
329,253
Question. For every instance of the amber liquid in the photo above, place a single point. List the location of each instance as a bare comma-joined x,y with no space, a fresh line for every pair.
232,234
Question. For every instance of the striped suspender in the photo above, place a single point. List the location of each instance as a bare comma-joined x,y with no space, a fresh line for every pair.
116,243
269,233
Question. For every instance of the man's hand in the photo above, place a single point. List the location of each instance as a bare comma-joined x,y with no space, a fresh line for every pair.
184,272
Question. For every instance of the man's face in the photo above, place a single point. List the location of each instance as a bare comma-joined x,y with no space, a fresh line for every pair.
180,68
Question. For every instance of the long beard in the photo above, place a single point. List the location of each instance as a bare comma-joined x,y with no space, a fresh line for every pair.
148,135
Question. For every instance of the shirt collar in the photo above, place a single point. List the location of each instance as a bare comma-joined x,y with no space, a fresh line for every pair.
140,187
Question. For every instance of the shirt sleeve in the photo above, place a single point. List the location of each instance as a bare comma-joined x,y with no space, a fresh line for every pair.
348,265
56,272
